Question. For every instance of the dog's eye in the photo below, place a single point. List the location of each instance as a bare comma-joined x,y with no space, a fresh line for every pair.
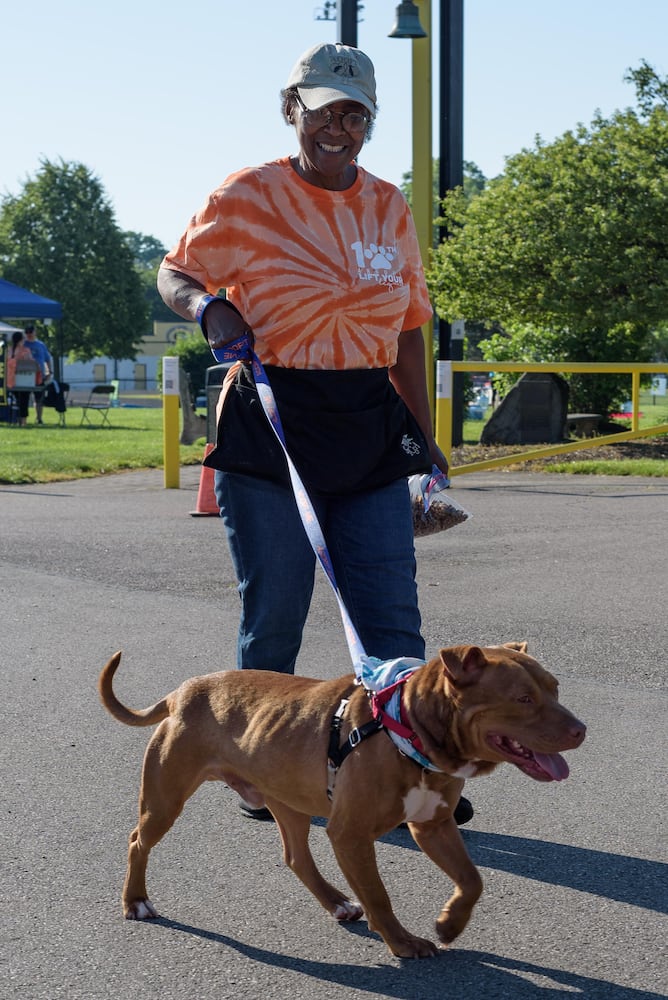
526,699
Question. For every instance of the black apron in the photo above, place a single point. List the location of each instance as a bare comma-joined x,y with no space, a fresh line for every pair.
345,431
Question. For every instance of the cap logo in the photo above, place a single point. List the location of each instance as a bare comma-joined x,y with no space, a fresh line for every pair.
343,66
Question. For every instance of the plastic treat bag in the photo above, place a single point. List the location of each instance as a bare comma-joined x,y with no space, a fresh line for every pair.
433,509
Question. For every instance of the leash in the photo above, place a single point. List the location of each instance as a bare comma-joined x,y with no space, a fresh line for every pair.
241,350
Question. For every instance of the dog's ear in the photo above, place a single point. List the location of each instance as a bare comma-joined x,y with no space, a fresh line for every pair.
463,665
521,647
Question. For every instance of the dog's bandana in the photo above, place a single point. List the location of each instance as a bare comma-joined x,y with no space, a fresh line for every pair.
387,677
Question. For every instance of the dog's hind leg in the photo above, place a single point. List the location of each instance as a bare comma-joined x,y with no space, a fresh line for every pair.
164,791
294,828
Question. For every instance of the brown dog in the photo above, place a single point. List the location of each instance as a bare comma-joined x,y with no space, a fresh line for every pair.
267,736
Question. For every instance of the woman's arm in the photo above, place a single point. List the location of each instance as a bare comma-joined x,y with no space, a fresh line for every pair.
409,378
183,294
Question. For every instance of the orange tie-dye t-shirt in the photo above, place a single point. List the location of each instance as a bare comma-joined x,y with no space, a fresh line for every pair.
325,279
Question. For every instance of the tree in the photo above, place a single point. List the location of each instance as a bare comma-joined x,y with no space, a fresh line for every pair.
568,250
148,253
195,357
474,184
60,239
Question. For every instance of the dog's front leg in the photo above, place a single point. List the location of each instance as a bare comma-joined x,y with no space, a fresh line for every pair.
357,860
444,845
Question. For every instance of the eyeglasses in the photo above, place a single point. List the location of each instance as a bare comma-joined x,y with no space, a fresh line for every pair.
352,121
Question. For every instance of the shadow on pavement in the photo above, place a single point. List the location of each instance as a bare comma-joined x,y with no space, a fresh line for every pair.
453,973
612,876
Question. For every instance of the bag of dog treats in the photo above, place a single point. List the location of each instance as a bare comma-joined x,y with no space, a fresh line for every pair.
433,509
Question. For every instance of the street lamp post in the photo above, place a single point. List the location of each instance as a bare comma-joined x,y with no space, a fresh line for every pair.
346,25
451,173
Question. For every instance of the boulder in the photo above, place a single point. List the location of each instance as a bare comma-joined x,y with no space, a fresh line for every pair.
533,412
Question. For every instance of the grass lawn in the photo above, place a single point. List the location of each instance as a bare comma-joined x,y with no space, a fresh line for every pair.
49,453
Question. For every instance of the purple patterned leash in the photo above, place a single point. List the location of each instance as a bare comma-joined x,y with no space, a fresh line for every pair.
241,350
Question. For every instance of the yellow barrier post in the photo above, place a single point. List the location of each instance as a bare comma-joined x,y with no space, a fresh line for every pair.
423,183
170,422
635,400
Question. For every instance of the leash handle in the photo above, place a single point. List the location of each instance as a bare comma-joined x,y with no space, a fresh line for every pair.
240,350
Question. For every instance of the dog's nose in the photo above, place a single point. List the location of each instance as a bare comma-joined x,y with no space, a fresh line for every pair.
577,732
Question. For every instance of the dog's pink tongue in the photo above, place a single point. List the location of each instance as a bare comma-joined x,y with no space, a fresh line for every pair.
554,764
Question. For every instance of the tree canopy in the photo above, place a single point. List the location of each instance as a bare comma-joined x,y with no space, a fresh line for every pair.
473,183
59,238
148,253
568,249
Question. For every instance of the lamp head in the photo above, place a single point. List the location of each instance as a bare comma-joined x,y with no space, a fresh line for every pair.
407,24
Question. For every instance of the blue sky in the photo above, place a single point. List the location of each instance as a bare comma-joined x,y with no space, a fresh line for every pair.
162,99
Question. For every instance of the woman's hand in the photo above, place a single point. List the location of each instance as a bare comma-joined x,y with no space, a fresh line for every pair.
438,458
222,323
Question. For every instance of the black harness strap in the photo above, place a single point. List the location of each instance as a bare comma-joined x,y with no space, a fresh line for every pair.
337,753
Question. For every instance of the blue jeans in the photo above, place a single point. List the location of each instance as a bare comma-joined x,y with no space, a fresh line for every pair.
370,540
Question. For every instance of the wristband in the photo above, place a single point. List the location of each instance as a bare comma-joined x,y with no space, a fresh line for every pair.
201,306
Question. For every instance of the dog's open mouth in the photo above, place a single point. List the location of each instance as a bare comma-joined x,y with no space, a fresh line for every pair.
540,766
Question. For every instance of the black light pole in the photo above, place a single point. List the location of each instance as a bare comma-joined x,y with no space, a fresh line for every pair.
451,173
347,22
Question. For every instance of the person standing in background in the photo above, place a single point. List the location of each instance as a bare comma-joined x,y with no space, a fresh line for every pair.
41,355
18,352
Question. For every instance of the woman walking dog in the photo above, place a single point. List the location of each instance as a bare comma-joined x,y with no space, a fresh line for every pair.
321,267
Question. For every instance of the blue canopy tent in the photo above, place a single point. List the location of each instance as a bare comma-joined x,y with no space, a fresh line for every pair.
19,303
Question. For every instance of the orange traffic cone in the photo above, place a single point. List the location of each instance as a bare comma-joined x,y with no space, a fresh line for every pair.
206,498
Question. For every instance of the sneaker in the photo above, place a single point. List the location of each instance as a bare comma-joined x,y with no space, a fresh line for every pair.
463,812
262,813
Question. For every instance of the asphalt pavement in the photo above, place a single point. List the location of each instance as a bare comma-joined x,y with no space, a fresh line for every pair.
576,893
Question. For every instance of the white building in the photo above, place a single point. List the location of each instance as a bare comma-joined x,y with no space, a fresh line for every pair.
138,375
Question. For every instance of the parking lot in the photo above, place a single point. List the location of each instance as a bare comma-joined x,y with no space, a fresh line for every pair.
576,894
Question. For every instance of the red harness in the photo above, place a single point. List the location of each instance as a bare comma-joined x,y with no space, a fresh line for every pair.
399,726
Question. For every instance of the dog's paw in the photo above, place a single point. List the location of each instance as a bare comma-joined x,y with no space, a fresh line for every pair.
346,911
141,909
451,922
410,946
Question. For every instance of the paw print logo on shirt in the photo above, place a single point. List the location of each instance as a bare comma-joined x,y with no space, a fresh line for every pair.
378,258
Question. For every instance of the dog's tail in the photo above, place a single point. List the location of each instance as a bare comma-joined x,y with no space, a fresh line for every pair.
129,716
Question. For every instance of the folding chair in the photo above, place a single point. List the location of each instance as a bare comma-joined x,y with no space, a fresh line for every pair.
99,401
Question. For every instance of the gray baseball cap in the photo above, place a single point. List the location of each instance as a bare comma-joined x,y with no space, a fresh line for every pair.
332,72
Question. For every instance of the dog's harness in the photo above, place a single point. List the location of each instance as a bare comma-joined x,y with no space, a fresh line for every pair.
388,713
383,681
397,723
337,751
